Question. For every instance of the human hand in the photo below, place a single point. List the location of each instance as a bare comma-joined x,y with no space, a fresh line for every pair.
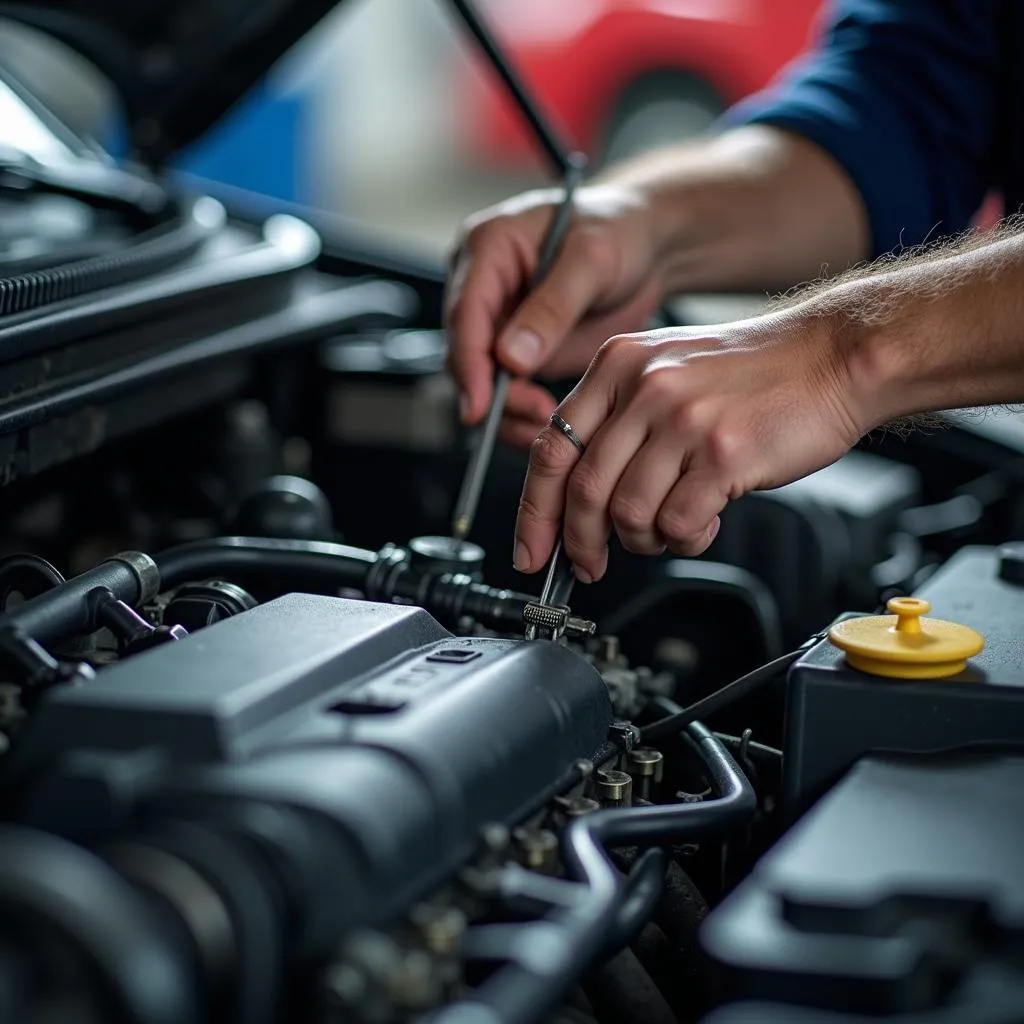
602,282
678,422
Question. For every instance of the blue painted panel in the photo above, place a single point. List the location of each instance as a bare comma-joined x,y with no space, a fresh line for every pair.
258,146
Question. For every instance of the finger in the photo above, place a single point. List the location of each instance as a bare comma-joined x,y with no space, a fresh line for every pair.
553,457
527,411
530,401
700,544
486,275
587,521
518,433
688,519
572,357
641,491
550,312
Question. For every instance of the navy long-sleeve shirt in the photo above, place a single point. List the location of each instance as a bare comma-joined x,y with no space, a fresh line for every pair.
919,101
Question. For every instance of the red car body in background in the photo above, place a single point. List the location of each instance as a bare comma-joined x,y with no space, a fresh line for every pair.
621,75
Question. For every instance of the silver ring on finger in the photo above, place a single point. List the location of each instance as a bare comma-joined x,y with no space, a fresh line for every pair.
559,424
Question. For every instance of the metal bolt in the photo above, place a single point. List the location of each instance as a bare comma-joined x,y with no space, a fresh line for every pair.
494,838
608,649
648,766
414,985
538,847
442,928
679,655
613,788
578,627
581,805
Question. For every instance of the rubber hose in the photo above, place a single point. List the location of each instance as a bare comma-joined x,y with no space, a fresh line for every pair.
622,992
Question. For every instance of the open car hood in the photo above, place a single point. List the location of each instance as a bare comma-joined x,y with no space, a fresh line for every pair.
177,66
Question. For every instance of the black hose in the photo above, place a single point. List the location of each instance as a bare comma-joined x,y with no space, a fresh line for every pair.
678,979
28,575
679,916
623,991
261,562
271,566
533,983
643,890
65,610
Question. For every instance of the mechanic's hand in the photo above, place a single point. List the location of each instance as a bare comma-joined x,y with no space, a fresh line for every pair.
603,282
677,422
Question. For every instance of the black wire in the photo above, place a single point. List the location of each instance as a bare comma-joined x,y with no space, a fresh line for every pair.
722,698
670,707
761,749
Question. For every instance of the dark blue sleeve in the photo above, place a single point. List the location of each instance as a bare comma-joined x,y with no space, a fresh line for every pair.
904,95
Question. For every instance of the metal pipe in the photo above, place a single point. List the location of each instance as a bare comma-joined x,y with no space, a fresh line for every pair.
574,936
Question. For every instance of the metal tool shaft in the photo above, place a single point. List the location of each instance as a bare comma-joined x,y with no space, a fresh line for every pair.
560,577
480,457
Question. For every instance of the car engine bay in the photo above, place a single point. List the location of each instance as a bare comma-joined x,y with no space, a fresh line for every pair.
274,747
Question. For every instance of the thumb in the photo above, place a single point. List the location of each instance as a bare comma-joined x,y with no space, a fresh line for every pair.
547,316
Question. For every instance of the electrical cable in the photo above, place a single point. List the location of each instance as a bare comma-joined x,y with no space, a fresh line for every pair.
728,694
751,746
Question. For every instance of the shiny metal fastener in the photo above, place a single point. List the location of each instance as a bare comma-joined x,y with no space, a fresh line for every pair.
555,621
613,788
647,766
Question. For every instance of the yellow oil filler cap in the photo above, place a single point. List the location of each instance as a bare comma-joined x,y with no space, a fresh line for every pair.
905,644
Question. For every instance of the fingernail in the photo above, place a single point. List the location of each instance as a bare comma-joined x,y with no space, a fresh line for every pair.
716,525
582,575
523,347
464,408
520,557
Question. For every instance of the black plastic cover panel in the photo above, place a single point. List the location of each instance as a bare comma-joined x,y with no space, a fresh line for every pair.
902,891
400,739
310,665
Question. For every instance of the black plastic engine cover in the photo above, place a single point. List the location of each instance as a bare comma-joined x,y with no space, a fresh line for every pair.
371,719
898,897
836,714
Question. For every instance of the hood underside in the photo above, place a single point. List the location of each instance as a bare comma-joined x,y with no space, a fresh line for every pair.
177,67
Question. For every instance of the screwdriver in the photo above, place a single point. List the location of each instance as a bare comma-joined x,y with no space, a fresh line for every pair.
480,457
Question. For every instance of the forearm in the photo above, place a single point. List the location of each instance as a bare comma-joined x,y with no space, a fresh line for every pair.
945,332
754,209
